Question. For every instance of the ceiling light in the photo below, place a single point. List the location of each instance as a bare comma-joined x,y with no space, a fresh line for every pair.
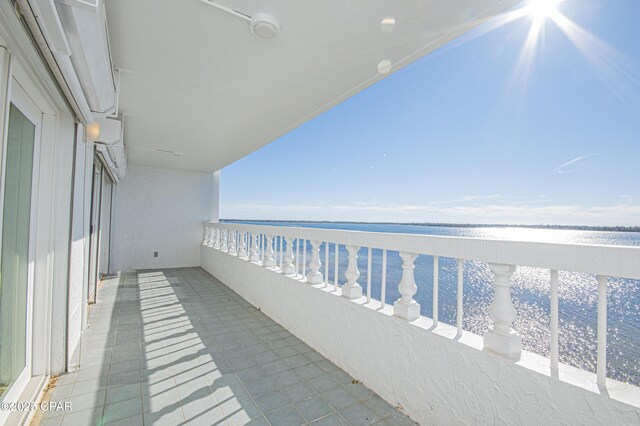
264,26
93,131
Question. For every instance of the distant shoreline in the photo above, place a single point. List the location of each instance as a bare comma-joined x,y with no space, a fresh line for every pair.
457,225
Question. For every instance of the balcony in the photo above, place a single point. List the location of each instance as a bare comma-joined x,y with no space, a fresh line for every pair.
179,347
309,281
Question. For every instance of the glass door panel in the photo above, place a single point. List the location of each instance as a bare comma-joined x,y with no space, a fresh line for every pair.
14,257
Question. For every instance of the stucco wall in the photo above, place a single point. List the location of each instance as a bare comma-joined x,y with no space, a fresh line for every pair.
158,209
435,378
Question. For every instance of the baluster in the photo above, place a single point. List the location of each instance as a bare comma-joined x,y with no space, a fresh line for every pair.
553,323
336,267
383,281
216,238
406,307
205,236
279,252
262,248
288,268
224,244
315,276
269,261
255,255
304,258
501,338
435,289
601,364
369,275
326,263
297,256
211,237
460,296
232,243
243,246
352,290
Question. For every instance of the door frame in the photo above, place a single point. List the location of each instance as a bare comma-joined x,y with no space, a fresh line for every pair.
94,232
19,97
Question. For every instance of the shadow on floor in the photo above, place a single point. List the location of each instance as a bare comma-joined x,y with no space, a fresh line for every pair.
177,347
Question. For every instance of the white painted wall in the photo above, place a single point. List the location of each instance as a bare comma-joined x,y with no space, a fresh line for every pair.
79,264
437,379
158,209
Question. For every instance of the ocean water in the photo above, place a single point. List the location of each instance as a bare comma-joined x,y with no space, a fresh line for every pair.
531,289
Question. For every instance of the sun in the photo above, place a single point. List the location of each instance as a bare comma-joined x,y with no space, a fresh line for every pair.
541,9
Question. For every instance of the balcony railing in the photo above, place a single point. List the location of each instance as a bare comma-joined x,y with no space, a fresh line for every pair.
296,252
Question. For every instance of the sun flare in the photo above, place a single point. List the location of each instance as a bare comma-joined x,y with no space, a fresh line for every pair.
541,9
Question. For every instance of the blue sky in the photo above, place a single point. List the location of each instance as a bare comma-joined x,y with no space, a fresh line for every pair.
476,132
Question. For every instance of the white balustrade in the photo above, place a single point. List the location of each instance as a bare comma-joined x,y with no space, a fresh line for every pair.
232,243
304,258
207,232
406,307
553,324
601,364
216,238
242,252
326,264
223,244
459,298
436,271
369,275
500,255
383,281
336,267
501,338
287,267
212,234
315,276
352,290
269,261
255,250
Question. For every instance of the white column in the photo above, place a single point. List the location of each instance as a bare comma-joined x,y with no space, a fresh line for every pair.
406,307
243,246
216,238
269,261
315,276
501,338
232,242
352,290
255,254
287,267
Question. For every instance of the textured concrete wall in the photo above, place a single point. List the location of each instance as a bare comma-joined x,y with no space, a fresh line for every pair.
160,210
437,379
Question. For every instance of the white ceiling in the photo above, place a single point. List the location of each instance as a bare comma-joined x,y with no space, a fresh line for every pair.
201,84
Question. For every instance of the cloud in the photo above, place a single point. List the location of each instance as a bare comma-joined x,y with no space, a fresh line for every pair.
566,167
520,213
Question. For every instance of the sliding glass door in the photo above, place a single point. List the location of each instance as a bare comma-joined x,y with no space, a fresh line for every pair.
16,254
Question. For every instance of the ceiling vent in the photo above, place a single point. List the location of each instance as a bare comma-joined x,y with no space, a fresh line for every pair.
264,26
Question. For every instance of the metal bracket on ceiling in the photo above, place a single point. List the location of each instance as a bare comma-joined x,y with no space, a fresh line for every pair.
228,10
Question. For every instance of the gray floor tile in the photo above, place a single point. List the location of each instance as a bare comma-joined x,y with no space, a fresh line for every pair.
360,415
314,408
271,401
176,346
287,416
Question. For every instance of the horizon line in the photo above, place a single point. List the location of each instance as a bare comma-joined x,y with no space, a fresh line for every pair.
615,228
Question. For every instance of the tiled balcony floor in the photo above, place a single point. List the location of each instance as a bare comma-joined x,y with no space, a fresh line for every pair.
178,347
